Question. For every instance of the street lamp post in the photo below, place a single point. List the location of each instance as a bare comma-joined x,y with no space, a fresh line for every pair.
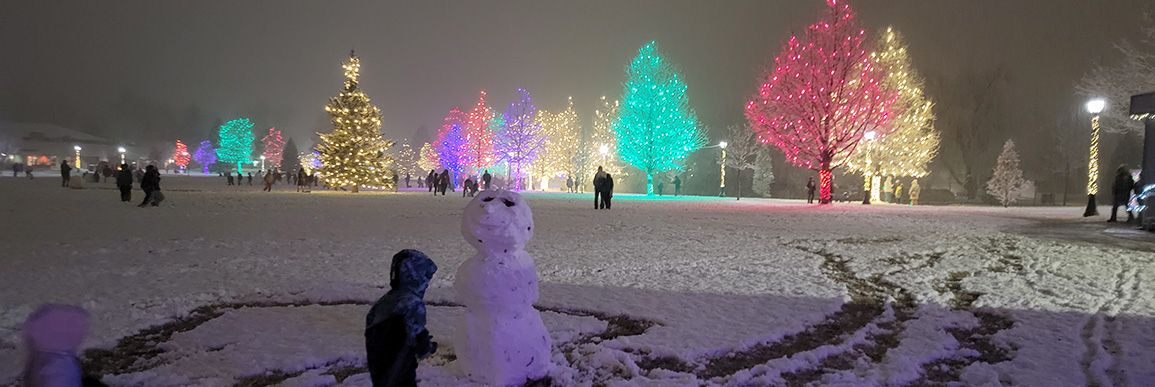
77,148
121,150
868,186
262,162
1094,107
722,187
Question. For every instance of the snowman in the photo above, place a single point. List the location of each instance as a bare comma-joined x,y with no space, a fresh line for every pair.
500,340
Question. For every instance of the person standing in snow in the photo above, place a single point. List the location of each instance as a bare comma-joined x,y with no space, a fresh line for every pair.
406,179
443,182
677,185
250,179
395,334
659,187
229,175
431,180
1121,193
599,180
270,178
915,190
302,180
898,192
65,173
150,183
124,183
486,179
607,191
810,186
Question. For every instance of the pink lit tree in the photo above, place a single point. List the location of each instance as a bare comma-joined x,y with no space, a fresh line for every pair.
274,148
822,94
479,137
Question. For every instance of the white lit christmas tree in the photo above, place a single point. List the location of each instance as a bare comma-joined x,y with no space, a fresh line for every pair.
1007,183
354,153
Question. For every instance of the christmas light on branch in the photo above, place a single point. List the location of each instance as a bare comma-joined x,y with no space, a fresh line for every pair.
560,149
354,153
451,144
236,140
655,126
519,137
274,148
206,155
821,96
429,159
479,154
911,141
180,155
603,145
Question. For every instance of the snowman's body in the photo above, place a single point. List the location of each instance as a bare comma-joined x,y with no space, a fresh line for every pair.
501,339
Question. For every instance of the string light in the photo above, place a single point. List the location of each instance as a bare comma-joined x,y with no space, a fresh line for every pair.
180,155
823,93
479,125
274,147
206,155
354,153
604,142
519,137
452,147
560,150
655,127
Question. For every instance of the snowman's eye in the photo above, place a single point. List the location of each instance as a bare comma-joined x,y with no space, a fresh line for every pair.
508,203
488,199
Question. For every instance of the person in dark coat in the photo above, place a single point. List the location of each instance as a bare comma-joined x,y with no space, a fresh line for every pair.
431,180
124,183
599,179
250,179
486,178
677,185
395,334
65,173
150,183
1121,193
302,180
659,187
443,182
810,186
607,191
406,179
229,175
467,187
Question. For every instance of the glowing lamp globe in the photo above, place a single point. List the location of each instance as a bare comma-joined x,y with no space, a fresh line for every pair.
1095,106
722,144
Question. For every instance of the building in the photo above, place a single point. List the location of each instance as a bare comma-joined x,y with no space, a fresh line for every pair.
45,145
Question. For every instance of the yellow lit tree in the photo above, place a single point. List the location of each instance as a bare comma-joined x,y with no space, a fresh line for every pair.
429,159
560,150
603,142
354,153
911,140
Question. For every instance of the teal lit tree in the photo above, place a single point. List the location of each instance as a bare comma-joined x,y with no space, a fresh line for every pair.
236,142
655,127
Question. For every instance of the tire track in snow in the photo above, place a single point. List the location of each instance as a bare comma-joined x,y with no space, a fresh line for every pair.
1102,360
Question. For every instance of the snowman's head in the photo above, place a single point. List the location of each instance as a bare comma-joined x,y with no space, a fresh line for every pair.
497,220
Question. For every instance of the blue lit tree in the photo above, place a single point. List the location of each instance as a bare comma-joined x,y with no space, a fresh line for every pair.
452,145
655,127
206,155
519,137
236,142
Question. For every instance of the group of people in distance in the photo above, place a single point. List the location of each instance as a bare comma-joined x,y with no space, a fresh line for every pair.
439,183
304,181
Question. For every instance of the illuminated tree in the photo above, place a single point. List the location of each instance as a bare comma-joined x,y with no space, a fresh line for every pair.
354,153
1007,183
911,140
452,148
291,158
603,144
180,155
822,95
519,137
236,142
429,160
479,137
274,148
206,155
655,126
741,149
405,159
560,151
1133,74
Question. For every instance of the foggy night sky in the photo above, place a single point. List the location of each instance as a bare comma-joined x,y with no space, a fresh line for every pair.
101,66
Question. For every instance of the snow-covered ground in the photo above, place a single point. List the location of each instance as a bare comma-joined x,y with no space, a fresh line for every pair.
225,286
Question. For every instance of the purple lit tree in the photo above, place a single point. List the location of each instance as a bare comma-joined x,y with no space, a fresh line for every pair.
206,155
452,147
519,137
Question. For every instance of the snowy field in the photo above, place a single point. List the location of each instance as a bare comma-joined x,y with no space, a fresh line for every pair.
224,286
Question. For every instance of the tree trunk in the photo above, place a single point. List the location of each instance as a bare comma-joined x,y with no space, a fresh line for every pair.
824,176
649,182
355,190
866,188
739,195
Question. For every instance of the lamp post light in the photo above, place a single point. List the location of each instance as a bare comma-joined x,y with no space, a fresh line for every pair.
722,186
1094,106
121,150
77,148
262,162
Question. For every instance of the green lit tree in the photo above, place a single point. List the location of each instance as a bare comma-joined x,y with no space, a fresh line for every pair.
236,142
354,153
655,127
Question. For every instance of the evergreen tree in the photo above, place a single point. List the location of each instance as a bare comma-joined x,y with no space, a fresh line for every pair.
1007,183
236,142
655,127
291,158
355,153
763,171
